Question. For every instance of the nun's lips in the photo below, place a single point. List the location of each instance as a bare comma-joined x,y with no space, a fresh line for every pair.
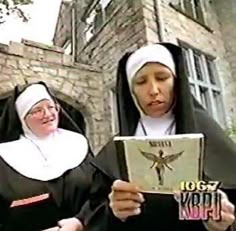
48,121
155,103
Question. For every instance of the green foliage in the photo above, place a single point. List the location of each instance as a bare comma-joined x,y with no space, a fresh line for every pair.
231,131
10,7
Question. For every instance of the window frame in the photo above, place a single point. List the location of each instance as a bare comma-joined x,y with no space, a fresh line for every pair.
68,44
180,6
89,26
113,111
214,106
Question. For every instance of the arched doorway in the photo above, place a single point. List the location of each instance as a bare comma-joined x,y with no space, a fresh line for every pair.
74,114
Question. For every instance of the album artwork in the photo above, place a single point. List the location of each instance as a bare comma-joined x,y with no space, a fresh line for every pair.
159,164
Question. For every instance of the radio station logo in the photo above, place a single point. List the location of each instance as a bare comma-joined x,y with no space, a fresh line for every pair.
199,200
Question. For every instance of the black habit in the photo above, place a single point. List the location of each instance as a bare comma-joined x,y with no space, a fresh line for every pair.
32,205
160,212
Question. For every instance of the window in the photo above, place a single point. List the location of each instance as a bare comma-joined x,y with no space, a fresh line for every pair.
192,8
201,71
67,47
89,26
114,115
95,18
197,64
104,3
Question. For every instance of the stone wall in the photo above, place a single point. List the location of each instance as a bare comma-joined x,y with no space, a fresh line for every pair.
77,84
226,11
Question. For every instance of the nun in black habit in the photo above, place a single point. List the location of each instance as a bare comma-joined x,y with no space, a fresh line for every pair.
44,164
154,98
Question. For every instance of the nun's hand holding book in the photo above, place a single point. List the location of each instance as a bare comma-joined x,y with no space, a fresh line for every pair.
70,224
227,216
125,199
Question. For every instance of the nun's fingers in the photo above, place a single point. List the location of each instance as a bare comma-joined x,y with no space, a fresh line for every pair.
177,195
123,207
226,205
124,214
120,185
226,221
121,196
122,190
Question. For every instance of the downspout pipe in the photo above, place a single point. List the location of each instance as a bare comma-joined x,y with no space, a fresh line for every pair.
73,30
159,22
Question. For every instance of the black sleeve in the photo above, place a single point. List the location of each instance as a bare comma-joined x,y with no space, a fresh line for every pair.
76,189
193,226
88,169
101,217
3,212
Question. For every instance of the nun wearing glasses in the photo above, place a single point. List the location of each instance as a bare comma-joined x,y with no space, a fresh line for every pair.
44,164
154,99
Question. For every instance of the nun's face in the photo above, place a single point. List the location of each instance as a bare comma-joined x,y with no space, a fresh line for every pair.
43,118
153,87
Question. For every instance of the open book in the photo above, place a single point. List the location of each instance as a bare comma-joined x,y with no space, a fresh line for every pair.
159,164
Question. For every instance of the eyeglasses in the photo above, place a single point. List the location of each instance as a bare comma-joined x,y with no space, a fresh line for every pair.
40,112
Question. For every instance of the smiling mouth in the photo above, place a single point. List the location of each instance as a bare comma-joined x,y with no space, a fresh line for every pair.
48,121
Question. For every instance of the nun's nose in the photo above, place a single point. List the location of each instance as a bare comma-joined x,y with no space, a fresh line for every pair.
47,112
154,88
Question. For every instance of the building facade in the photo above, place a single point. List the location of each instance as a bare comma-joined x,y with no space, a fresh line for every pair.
105,29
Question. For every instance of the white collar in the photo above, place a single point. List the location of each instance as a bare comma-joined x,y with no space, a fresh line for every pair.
164,125
45,159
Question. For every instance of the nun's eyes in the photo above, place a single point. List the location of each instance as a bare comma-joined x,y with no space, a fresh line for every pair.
161,77
40,111
139,81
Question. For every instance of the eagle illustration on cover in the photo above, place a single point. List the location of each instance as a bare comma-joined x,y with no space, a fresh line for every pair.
161,162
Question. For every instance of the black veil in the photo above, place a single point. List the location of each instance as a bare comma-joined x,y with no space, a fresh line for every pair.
10,125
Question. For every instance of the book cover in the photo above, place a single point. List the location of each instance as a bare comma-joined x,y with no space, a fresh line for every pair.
159,164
